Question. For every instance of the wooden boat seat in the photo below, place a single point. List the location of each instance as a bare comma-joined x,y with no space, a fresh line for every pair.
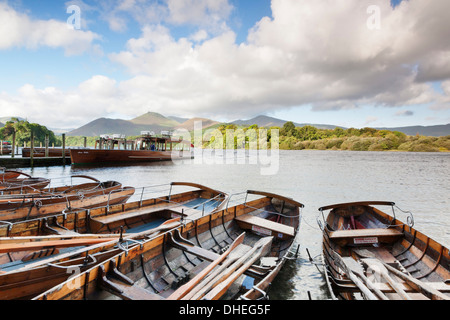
179,242
120,285
264,226
96,223
366,236
133,292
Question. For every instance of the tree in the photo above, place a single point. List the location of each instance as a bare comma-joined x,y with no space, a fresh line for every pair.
288,129
23,131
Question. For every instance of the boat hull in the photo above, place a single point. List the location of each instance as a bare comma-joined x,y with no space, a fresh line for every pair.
159,267
96,156
361,243
30,208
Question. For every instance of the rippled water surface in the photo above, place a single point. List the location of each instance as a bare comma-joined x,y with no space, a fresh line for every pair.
416,182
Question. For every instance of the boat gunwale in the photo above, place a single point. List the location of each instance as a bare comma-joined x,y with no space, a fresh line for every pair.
210,221
361,203
425,245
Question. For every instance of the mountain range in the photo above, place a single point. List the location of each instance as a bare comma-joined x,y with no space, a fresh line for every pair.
156,122
152,121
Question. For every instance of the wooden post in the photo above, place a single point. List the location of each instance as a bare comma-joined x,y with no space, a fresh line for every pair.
64,148
1,147
46,145
13,143
85,142
31,148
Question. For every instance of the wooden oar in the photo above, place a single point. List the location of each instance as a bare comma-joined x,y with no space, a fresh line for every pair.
39,245
349,272
208,282
415,283
358,270
418,285
18,240
183,290
169,224
220,289
235,261
378,266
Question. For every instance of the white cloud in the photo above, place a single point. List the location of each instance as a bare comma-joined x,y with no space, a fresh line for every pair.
315,53
318,52
18,30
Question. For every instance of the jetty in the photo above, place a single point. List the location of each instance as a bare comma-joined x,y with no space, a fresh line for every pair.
36,157
28,162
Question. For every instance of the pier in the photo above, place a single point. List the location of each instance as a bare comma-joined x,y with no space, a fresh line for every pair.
28,162
36,157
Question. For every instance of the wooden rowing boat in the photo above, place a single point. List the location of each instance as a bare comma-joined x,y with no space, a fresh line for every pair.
110,217
8,174
31,280
53,201
233,253
369,254
27,184
54,191
131,217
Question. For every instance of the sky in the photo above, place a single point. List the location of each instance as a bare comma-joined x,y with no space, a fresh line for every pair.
352,63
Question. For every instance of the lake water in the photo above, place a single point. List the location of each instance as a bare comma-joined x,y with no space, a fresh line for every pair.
416,182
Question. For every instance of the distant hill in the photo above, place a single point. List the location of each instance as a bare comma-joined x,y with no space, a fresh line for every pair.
5,119
153,118
266,121
108,126
178,119
189,124
2,125
150,121
434,131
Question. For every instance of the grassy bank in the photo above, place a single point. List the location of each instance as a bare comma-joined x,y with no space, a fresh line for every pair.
365,139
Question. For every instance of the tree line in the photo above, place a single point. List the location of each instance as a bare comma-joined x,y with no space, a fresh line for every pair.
290,138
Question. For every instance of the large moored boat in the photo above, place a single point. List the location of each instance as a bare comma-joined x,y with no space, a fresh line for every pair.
148,147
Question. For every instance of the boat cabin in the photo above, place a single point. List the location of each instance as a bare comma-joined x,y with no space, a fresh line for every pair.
147,141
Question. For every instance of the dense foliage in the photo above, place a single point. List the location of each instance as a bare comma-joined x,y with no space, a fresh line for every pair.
365,139
290,138
23,131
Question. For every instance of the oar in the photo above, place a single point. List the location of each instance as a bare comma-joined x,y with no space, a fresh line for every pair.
430,292
233,262
183,290
375,263
38,245
212,279
349,272
358,270
169,224
18,240
418,285
220,289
